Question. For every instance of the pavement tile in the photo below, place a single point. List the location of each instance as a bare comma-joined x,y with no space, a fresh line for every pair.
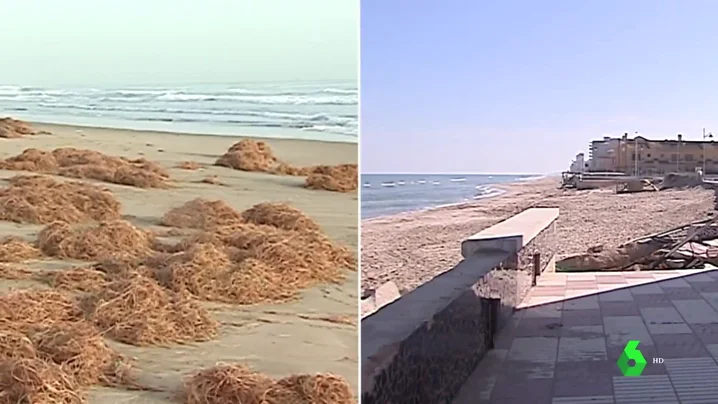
681,293
620,295
580,378
695,380
644,389
538,327
679,346
696,311
573,349
619,308
664,320
620,330
581,303
652,300
582,317
707,333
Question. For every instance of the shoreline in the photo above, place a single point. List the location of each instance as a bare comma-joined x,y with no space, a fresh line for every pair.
36,124
504,189
153,144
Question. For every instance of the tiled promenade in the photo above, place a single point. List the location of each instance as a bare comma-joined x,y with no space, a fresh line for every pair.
562,346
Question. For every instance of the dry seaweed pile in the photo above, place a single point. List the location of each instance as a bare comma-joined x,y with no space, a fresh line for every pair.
340,178
267,253
249,155
142,291
236,384
13,128
81,163
138,311
108,239
49,353
88,280
201,214
14,249
40,200
252,155
11,272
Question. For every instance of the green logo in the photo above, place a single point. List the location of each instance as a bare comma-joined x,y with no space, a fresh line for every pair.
631,352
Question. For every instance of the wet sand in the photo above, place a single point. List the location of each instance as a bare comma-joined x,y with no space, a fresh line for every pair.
281,339
412,248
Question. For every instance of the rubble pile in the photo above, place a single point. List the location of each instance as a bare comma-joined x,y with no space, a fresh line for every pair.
693,245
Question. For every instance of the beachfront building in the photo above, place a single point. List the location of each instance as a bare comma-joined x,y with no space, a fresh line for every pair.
642,156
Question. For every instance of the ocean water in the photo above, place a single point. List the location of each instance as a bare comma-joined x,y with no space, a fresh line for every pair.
318,110
388,194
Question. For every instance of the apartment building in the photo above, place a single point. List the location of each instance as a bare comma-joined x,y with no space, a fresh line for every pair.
643,156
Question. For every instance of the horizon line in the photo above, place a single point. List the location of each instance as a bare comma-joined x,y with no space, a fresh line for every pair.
453,173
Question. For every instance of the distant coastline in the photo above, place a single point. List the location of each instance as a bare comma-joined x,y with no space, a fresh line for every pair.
385,195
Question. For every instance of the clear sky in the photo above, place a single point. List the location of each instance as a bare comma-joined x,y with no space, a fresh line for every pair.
509,86
145,42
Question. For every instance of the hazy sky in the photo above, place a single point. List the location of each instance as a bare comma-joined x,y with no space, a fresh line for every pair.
85,42
521,86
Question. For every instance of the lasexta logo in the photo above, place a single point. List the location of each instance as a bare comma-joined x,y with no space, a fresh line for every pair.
631,353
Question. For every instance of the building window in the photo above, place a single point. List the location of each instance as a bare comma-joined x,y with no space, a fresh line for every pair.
689,157
648,155
674,157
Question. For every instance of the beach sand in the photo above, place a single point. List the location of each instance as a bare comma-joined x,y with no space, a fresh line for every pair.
277,339
412,248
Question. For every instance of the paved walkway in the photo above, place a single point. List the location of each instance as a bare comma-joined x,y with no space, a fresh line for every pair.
562,346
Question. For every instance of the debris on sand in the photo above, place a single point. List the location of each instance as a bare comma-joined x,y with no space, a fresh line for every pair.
234,384
40,200
681,180
90,164
15,249
268,253
202,214
13,273
281,216
108,239
28,308
321,388
140,312
226,384
76,279
39,360
249,155
252,155
189,165
340,178
37,381
79,349
15,345
692,245
13,128
206,272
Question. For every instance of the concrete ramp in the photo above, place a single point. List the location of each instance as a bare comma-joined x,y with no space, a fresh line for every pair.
382,296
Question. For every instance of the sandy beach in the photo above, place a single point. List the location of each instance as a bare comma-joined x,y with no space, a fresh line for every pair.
412,248
316,333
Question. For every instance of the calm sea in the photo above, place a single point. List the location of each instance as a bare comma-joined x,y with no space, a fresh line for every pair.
319,110
387,194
